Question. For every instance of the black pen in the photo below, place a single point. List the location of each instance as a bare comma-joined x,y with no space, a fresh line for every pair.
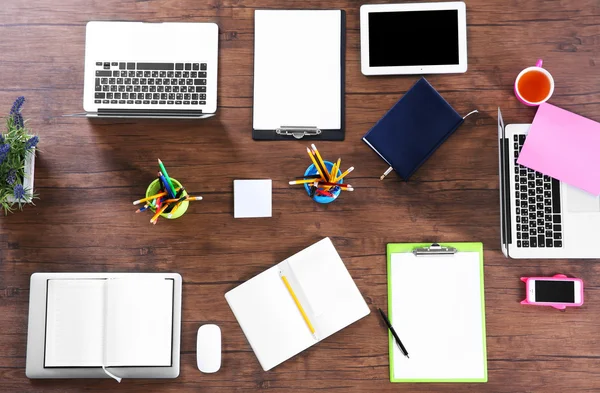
389,325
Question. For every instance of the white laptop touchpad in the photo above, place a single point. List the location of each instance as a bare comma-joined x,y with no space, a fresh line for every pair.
579,201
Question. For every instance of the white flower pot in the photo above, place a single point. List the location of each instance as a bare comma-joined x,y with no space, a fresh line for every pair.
28,181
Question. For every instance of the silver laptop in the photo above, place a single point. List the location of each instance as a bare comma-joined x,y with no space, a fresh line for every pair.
150,70
542,217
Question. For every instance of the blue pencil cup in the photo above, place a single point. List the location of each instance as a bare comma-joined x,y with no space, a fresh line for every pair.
311,170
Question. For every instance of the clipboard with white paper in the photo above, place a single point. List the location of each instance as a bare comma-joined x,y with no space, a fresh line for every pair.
436,305
299,75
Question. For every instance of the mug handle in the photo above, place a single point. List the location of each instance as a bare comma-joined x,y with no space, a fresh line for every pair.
539,63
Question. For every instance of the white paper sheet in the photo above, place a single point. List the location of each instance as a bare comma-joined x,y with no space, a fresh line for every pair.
75,323
139,322
297,69
252,198
436,311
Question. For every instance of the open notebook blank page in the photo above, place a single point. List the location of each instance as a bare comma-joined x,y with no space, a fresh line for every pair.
75,323
437,313
270,319
297,69
332,298
139,322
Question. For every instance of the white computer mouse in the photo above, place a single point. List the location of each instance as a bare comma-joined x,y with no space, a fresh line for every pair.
208,348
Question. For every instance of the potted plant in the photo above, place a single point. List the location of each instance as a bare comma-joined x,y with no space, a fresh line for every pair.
17,161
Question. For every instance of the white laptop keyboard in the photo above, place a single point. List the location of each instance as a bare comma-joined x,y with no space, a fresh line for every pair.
132,83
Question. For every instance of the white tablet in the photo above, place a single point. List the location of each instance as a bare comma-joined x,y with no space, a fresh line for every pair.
416,38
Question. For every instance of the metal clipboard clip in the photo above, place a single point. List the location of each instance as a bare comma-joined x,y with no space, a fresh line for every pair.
434,249
298,132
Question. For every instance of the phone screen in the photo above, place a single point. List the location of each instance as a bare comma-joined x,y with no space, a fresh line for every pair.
555,291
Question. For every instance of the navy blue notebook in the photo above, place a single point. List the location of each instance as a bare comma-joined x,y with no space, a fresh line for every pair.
413,129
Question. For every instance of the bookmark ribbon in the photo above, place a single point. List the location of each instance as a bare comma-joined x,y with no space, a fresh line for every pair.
113,376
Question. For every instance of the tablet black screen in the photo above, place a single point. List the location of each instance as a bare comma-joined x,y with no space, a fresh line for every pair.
413,38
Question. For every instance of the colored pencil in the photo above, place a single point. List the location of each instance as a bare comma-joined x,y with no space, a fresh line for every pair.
174,210
166,185
294,182
158,213
315,163
175,200
308,177
335,169
343,175
143,209
194,198
322,183
164,171
149,198
321,165
325,193
320,159
300,308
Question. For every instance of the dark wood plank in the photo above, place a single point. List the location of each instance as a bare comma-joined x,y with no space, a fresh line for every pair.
88,173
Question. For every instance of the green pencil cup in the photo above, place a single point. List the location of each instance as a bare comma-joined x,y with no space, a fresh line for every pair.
154,188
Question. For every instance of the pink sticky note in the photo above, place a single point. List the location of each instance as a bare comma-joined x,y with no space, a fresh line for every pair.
565,146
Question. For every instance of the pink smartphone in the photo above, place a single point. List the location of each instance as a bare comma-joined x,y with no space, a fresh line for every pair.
558,291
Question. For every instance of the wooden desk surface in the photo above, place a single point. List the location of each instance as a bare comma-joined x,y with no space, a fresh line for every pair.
88,173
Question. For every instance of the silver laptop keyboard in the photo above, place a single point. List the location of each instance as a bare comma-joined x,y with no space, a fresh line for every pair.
150,83
537,206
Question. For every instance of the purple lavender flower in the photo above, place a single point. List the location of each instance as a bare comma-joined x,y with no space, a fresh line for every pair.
4,149
11,177
15,112
32,142
19,192
18,120
16,107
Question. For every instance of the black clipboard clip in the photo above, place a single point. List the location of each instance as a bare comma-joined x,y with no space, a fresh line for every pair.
298,132
433,250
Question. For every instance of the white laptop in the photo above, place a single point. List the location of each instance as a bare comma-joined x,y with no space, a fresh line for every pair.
150,70
542,217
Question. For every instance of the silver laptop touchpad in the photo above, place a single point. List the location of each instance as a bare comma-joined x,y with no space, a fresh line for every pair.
581,201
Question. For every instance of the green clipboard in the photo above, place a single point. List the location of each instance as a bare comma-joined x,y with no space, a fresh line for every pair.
441,248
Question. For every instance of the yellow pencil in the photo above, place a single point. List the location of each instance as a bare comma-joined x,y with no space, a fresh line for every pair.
337,179
312,158
151,197
289,288
174,210
301,181
160,194
158,213
335,169
321,161
193,198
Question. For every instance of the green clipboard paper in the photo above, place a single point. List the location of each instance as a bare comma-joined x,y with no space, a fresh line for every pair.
437,265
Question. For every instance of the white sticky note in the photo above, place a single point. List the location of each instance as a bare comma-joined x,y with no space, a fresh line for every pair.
252,198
